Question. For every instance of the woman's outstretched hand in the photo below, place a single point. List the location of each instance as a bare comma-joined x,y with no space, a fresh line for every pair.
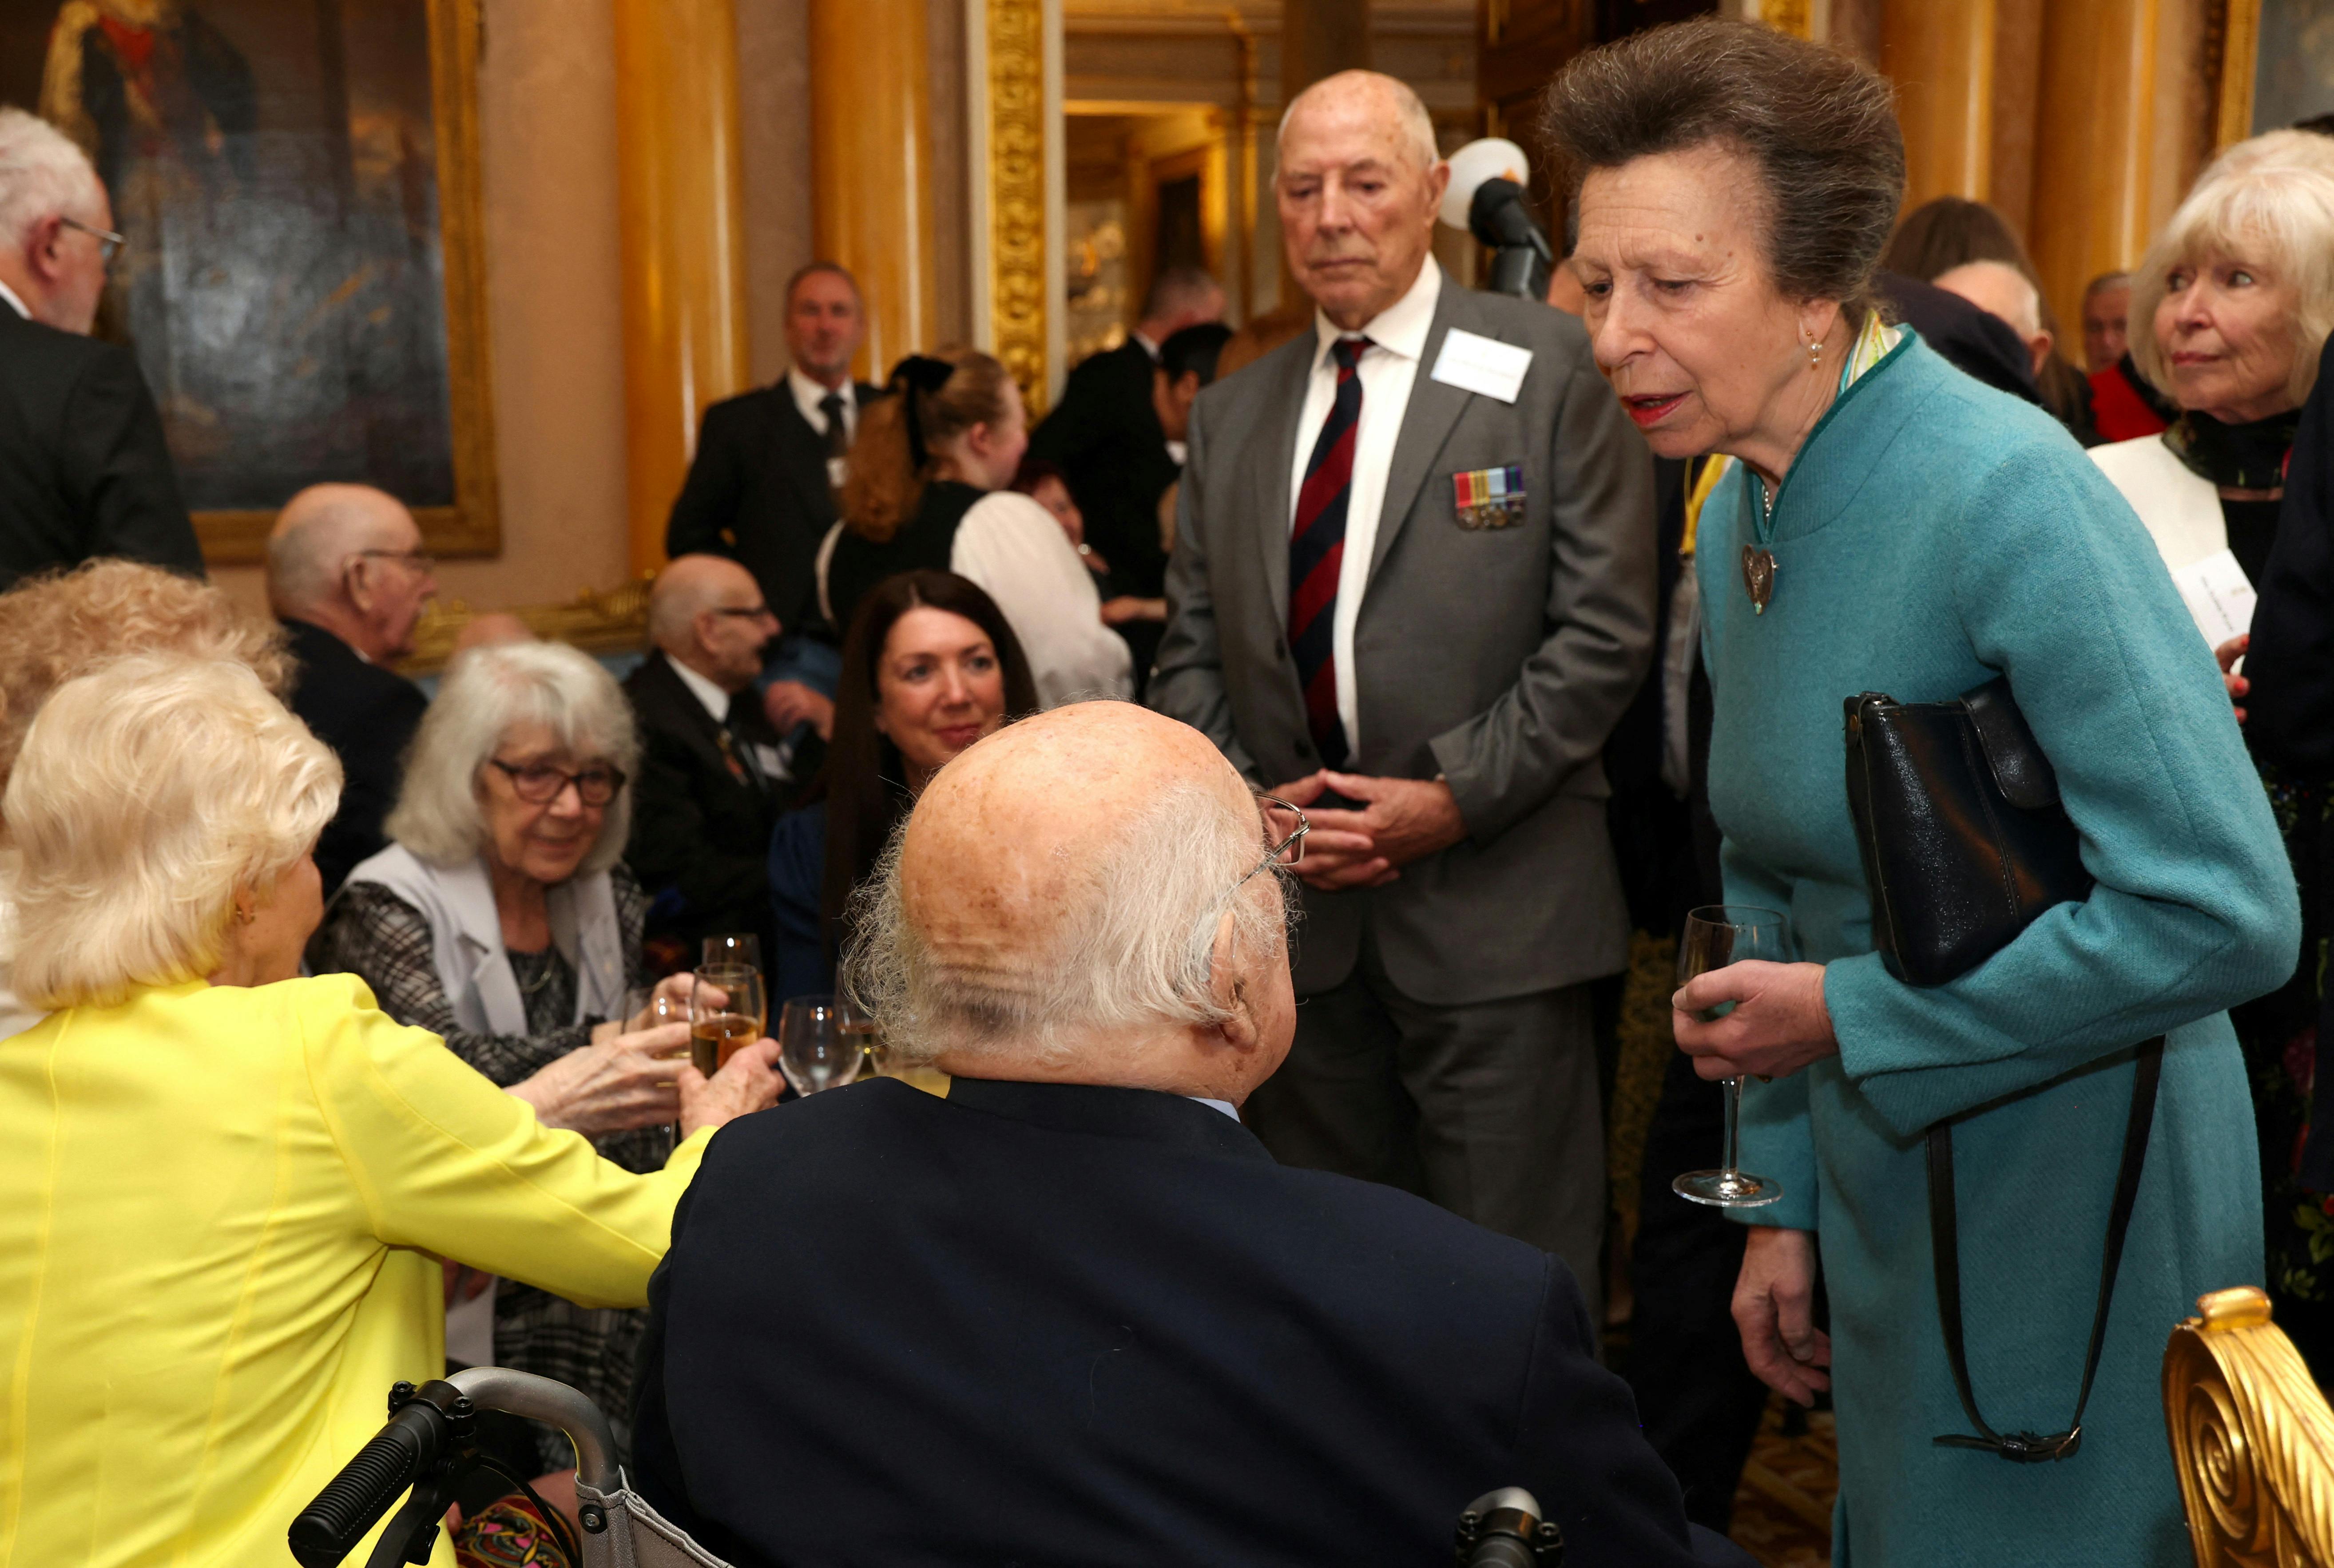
749,1082
614,1085
1778,1023
1774,1306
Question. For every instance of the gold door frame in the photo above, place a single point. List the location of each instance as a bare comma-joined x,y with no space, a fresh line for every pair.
472,525
1013,68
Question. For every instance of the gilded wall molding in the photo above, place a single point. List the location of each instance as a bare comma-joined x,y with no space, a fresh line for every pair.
1015,116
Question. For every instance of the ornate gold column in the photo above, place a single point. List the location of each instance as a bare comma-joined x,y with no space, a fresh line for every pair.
2119,135
871,164
1005,57
1941,57
680,193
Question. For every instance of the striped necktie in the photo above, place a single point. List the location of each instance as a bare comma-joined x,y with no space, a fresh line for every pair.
1316,551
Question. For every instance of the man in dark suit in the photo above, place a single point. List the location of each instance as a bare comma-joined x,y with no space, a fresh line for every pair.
714,776
1412,592
347,577
761,490
1074,1312
83,468
1106,436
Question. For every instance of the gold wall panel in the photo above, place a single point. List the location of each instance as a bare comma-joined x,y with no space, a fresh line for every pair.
679,194
1941,57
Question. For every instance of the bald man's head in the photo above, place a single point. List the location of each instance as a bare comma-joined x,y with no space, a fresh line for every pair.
1068,897
1357,186
349,558
2001,290
705,612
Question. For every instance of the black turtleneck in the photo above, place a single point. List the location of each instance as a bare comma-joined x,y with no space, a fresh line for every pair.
2247,456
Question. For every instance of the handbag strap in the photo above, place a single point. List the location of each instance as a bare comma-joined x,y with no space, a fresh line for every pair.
1944,1238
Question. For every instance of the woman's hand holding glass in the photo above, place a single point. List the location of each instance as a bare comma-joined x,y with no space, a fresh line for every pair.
1778,1023
613,1085
668,1003
747,1083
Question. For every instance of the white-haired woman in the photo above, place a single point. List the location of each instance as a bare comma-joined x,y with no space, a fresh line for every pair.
2229,310
501,919
220,1185
2229,316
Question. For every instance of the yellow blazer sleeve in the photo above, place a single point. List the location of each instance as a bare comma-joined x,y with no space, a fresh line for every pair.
445,1162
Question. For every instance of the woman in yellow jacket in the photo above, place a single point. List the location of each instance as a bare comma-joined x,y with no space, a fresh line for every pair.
225,1191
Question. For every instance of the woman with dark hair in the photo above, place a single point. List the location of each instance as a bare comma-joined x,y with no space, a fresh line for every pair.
1890,525
929,491
1954,231
930,665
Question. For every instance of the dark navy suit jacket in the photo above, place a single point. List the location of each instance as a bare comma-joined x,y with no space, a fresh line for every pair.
1047,1323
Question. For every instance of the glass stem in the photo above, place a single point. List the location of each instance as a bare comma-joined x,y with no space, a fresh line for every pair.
1733,1123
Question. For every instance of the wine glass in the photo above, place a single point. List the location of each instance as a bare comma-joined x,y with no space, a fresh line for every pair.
857,1023
1717,935
730,951
816,1051
726,1010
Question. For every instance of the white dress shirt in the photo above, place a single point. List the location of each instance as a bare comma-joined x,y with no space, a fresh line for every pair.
1012,547
1388,367
808,395
14,302
716,700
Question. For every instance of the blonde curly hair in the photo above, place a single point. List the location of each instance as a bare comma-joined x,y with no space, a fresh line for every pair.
61,625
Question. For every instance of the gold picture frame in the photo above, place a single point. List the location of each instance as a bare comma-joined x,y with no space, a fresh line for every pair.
471,526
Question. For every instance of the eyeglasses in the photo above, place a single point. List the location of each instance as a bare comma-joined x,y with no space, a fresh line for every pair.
539,783
1285,828
419,559
756,613
109,244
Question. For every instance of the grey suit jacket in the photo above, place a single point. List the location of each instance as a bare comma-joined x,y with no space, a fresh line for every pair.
1497,658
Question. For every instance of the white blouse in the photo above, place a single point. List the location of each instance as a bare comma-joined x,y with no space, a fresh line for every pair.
1014,549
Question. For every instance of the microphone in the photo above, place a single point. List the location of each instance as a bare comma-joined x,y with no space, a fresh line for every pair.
1486,197
1503,1529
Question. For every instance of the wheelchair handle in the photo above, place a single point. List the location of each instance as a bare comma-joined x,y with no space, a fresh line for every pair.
554,1404
368,1485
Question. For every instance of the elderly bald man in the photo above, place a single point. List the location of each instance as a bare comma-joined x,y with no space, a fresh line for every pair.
2008,296
347,577
715,773
1075,1313
84,471
1412,591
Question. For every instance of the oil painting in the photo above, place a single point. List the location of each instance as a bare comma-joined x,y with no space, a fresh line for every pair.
296,180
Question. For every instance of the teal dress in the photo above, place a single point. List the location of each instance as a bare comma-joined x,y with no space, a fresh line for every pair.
1932,534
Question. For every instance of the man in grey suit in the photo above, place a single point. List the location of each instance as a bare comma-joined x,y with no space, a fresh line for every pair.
1413,590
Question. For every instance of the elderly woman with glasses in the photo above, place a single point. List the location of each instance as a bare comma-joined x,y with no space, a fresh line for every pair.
501,919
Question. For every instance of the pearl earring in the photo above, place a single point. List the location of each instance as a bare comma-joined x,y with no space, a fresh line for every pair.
1815,355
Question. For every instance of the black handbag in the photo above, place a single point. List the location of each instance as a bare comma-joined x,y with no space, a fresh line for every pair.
1964,843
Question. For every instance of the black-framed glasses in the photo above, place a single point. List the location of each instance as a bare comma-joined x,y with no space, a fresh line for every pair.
539,783
753,612
109,244
1285,828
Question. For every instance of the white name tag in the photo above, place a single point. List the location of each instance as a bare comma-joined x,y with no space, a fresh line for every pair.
772,760
1478,364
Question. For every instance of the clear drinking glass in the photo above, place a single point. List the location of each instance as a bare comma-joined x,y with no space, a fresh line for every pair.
726,1010
816,1051
1717,935
729,952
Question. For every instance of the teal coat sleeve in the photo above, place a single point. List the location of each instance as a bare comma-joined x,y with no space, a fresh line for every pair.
2058,585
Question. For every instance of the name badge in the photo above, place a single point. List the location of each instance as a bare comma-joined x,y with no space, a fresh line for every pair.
772,762
1481,364
1489,497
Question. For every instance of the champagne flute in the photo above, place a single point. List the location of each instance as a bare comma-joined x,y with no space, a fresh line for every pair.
726,1010
857,1023
730,952
814,1051
1717,935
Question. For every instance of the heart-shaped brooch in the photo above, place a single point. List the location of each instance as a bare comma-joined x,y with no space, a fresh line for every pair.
1759,576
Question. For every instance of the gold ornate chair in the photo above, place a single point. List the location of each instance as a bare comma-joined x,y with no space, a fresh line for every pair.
2251,1437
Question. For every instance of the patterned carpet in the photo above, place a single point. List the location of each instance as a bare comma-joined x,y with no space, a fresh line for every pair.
1783,1510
